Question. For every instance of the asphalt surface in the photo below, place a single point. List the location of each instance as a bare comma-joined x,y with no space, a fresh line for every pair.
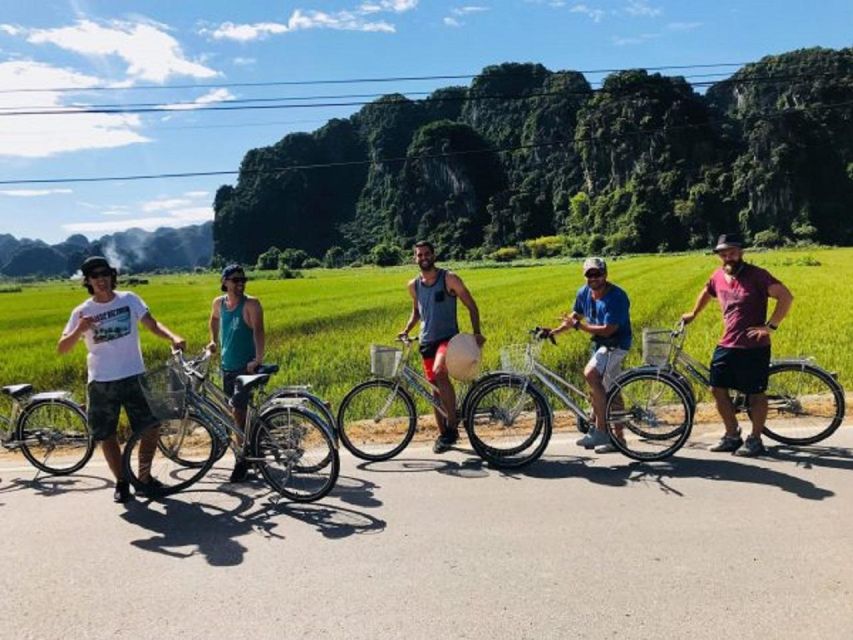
578,545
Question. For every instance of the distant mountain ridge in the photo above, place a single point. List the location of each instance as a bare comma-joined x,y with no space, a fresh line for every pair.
133,250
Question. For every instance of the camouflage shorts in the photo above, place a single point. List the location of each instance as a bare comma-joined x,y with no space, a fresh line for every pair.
105,400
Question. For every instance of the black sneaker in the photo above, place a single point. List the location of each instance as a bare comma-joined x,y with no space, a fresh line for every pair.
153,488
445,442
241,470
122,492
727,444
751,448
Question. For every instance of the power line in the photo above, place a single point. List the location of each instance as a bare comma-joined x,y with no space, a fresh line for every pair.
243,104
352,163
303,83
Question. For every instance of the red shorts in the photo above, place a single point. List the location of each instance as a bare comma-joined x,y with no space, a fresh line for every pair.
429,358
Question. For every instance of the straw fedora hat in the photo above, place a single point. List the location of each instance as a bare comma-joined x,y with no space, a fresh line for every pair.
463,356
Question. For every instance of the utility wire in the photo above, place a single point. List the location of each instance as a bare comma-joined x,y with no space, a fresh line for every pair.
449,154
303,83
224,105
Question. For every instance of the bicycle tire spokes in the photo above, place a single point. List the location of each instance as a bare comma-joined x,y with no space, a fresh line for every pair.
649,417
54,436
294,454
804,404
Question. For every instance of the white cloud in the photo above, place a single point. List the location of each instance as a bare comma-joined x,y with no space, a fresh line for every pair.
197,194
244,62
211,97
452,22
115,213
642,8
151,54
166,204
10,29
182,218
463,11
683,26
32,193
356,20
620,41
38,136
596,15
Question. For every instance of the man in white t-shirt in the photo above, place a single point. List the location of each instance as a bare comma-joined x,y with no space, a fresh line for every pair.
108,323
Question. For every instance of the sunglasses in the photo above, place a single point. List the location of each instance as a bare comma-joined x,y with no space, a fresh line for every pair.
102,273
593,274
238,280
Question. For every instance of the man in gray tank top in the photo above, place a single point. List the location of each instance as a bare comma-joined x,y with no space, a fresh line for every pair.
434,293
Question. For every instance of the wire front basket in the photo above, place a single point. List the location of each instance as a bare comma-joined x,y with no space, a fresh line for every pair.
166,392
520,358
385,361
657,344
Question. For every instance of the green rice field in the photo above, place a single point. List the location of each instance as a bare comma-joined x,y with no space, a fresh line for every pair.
319,328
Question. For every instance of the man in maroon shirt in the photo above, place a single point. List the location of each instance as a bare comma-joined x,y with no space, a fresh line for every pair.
741,360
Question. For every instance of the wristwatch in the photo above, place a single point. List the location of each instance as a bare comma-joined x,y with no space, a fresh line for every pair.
771,326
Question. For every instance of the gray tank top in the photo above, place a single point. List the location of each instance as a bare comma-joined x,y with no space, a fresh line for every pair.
438,310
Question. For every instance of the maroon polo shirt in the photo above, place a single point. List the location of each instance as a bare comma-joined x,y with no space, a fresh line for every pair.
744,304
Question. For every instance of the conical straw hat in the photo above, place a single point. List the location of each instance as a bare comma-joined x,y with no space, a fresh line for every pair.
463,357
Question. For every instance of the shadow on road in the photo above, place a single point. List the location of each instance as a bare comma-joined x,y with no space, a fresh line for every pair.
725,469
814,456
49,486
196,523
471,468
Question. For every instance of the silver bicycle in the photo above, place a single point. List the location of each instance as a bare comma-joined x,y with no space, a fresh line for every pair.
49,428
806,403
648,416
292,447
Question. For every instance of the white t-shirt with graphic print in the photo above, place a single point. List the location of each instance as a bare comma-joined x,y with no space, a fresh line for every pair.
113,341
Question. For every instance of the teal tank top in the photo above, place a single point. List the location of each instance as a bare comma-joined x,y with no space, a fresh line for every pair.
236,337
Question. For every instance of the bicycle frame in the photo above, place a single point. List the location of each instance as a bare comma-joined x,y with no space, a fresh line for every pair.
410,378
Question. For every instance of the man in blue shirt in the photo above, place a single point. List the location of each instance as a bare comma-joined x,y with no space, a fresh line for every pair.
602,310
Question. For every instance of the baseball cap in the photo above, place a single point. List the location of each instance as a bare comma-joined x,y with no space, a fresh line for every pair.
594,263
729,241
229,271
92,263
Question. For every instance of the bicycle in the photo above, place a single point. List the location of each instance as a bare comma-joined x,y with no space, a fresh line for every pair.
44,424
291,446
378,418
648,415
806,403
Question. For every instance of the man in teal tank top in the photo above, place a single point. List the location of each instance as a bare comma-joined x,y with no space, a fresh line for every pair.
434,293
237,324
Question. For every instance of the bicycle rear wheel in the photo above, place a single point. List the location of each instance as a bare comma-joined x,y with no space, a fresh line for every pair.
649,415
174,456
805,404
508,421
54,436
295,454
377,420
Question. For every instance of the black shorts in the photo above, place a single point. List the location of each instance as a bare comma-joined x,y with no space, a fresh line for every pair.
229,382
744,370
105,400
430,349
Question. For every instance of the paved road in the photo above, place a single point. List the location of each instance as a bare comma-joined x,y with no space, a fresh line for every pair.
578,545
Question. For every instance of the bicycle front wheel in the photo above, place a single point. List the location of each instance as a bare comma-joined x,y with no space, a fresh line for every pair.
805,404
377,420
174,454
508,422
54,436
649,415
295,454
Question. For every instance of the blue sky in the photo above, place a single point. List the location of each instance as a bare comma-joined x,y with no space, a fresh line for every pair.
134,46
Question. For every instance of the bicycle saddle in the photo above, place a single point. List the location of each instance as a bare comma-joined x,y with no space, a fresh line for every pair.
249,382
17,390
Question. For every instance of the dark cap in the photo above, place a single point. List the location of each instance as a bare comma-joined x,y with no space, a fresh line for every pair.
729,241
229,271
92,263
